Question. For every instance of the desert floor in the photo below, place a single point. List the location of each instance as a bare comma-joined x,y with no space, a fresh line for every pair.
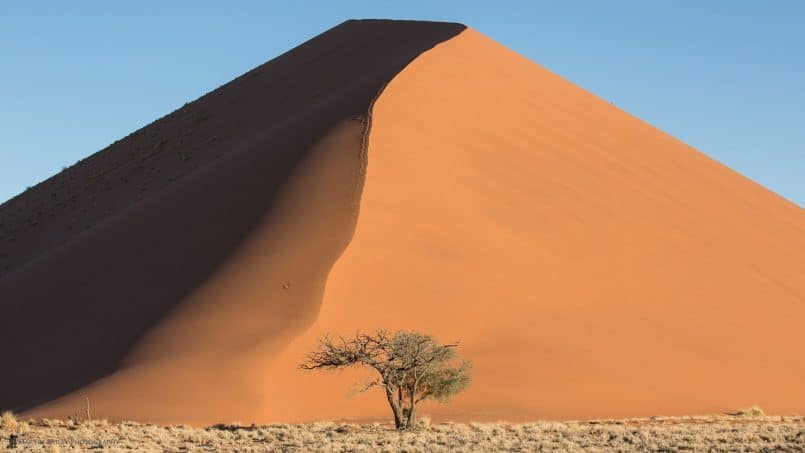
696,433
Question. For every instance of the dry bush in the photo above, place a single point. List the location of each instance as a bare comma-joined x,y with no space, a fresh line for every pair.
8,421
423,422
753,411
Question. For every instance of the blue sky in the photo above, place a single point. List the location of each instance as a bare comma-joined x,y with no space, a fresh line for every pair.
726,76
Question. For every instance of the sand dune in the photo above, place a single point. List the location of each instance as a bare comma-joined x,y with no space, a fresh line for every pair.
162,258
592,265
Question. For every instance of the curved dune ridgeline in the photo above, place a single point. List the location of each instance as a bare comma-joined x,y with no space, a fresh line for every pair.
591,265
153,269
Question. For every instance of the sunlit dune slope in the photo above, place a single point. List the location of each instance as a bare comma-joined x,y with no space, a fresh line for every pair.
592,265
143,277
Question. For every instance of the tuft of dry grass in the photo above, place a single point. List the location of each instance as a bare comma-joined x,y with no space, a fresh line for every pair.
8,421
423,422
753,411
699,433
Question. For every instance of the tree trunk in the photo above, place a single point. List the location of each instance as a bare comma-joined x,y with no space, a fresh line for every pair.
412,412
400,402
396,409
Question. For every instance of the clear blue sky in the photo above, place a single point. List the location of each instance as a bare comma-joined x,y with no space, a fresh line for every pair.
726,76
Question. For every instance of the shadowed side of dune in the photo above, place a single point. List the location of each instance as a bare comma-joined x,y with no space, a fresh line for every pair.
208,232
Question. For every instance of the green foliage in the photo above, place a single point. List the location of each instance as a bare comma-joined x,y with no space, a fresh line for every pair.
446,382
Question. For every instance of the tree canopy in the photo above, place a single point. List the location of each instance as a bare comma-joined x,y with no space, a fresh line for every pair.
412,367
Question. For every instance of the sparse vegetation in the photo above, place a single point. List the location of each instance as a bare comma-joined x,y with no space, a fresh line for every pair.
8,421
753,411
413,367
704,433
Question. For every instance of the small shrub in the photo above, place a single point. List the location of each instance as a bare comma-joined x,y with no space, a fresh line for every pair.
23,427
753,411
423,422
8,421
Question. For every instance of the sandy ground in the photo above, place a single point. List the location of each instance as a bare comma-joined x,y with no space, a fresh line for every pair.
714,434
591,265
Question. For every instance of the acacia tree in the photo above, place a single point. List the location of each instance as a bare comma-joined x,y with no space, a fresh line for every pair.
412,366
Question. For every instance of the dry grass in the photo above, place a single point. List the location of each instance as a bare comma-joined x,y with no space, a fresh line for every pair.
706,433
8,421
753,411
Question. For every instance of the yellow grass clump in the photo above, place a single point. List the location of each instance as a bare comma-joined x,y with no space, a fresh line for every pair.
8,421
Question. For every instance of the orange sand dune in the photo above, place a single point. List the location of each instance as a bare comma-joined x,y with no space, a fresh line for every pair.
159,262
591,265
